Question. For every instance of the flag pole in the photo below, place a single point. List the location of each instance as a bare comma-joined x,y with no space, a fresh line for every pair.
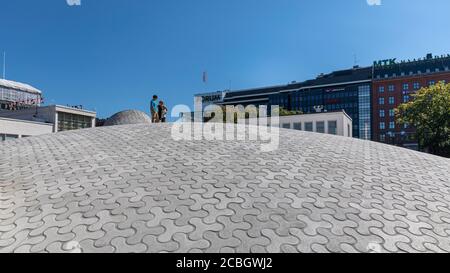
4,65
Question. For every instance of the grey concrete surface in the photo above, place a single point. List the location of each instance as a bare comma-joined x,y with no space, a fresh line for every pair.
133,189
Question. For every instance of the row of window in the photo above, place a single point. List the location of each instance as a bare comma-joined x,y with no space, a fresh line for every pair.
406,136
392,125
383,125
391,100
11,95
391,113
406,86
419,72
320,127
4,137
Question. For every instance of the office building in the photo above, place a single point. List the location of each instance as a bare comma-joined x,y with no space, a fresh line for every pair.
369,95
16,95
395,83
63,118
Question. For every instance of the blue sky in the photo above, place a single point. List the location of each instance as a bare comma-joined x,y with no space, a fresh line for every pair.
111,55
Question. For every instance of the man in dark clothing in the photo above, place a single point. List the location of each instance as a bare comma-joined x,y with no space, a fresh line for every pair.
162,112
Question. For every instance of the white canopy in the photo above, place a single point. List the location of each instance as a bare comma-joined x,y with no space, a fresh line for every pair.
19,86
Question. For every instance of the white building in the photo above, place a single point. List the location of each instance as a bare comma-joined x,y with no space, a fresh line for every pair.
333,123
62,118
18,95
13,128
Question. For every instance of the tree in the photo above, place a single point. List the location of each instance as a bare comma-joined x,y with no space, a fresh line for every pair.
429,113
284,112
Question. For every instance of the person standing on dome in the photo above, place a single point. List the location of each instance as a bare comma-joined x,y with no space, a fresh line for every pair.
162,112
154,109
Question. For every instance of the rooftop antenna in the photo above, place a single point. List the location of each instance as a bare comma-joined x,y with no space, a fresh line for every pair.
355,60
4,65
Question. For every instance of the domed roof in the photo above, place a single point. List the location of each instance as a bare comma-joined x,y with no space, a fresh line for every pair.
128,117
133,188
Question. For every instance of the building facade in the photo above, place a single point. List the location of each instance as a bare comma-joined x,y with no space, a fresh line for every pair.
369,95
13,128
346,90
333,123
394,84
62,118
16,95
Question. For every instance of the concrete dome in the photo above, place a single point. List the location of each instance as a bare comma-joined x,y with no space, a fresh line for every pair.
134,189
128,117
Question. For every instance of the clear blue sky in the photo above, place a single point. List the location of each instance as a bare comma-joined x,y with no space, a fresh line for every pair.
111,55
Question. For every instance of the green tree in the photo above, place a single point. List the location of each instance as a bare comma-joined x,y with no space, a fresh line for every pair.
284,112
429,113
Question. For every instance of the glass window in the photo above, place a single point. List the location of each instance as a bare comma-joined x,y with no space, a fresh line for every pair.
383,137
381,89
391,125
286,126
391,100
298,126
332,127
430,83
405,98
405,86
416,85
309,126
4,137
67,121
391,88
320,127
381,101
391,112
382,125
382,114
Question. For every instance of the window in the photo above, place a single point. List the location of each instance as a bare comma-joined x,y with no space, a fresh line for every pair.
298,126
286,126
4,137
320,127
405,86
430,83
332,127
391,100
381,101
309,126
365,113
416,85
405,98
392,113
391,125
383,137
382,114
381,89
382,125
67,121
391,88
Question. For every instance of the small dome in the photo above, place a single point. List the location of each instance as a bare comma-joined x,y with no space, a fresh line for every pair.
128,117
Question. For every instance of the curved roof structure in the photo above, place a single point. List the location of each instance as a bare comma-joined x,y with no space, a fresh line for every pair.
19,86
128,117
135,189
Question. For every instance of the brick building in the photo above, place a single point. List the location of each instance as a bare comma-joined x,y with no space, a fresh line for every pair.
393,84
